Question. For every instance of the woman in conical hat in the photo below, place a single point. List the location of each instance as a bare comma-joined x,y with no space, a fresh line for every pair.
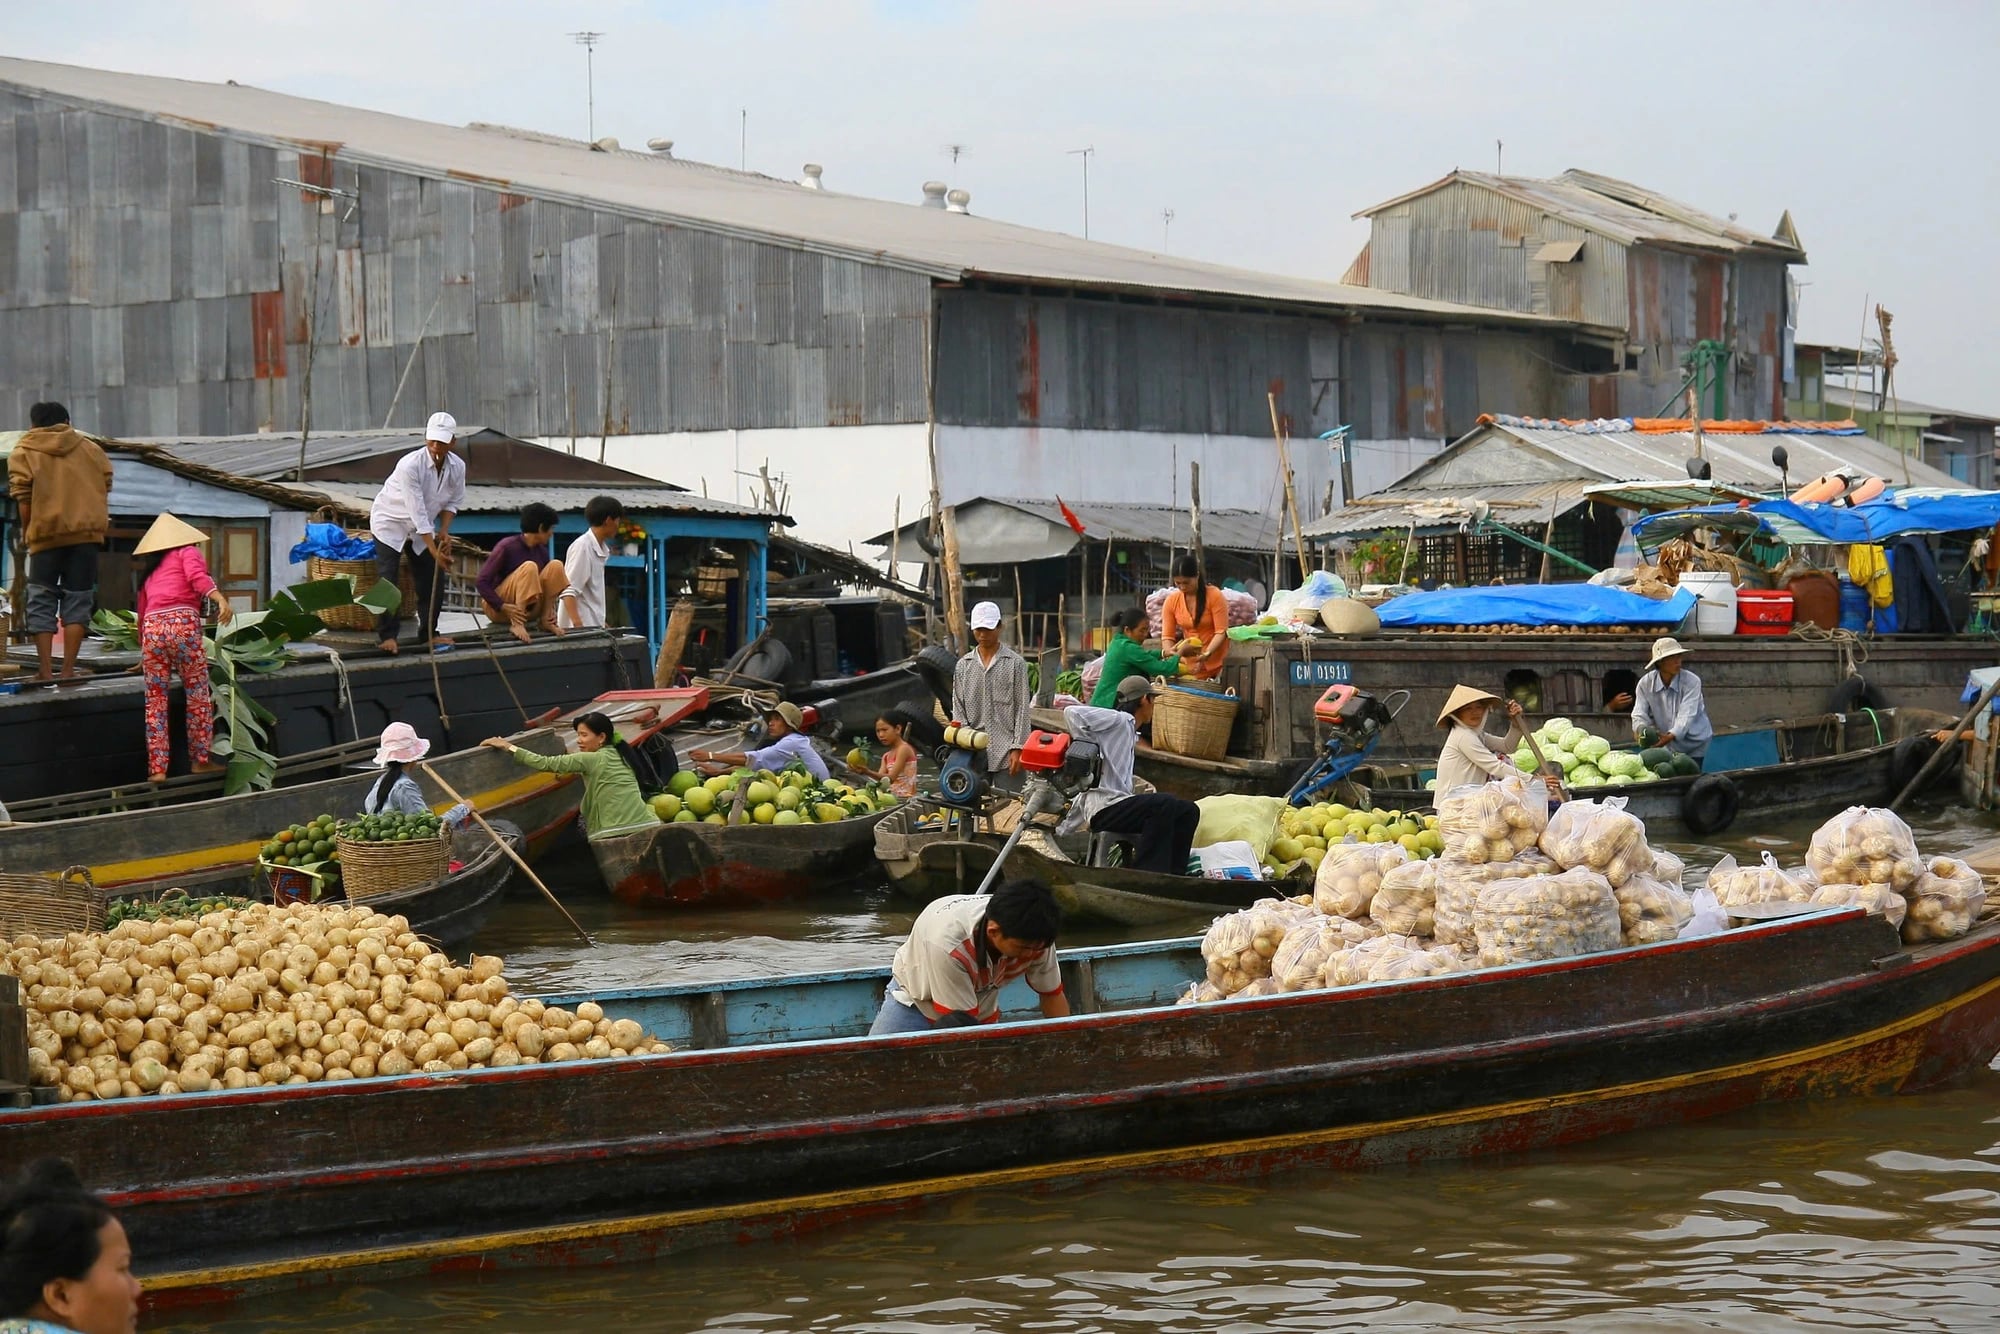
1467,758
176,586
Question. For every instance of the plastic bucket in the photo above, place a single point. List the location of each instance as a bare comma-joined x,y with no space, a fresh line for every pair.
1715,614
1853,606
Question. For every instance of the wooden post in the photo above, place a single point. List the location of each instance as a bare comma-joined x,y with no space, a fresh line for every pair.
954,582
1548,540
1291,497
1194,515
1020,623
1104,593
674,647
1062,625
895,545
1048,664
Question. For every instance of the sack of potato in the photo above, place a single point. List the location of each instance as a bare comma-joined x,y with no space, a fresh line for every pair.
1650,910
1407,900
1668,869
1492,822
1878,899
1944,902
1349,875
1458,887
263,995
1547,917
1239,947
1862,846
1600,836
1300,963
1199,993
1763,881
1389,959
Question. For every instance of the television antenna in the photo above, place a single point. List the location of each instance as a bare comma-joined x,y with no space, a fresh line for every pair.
955,152
1085,154
1166,227
588,41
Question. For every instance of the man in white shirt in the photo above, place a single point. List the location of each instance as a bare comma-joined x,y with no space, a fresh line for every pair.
582,603
1162,826
411,519
963,950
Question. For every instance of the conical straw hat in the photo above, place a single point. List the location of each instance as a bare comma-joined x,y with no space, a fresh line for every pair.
1462,696
167,533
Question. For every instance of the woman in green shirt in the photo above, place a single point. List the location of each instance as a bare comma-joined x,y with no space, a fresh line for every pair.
611,796
1129,656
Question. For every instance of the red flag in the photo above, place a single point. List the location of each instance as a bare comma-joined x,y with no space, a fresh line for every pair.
1069,517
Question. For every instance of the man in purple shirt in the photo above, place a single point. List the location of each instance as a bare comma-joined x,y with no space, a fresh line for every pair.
519,583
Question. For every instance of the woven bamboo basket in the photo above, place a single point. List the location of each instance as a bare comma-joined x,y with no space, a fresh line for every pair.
712,581
1193,722
369,870
50,905
362,572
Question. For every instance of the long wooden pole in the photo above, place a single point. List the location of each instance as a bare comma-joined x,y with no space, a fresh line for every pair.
1291,497
1020,624
895,541
507,848
954,582
1194,515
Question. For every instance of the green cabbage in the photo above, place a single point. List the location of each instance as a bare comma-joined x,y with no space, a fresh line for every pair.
1594,749
1555,727
1622,762
1524,760
1586,775
1572,738
1563,758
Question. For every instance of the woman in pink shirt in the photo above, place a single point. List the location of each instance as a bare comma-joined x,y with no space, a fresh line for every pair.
170,639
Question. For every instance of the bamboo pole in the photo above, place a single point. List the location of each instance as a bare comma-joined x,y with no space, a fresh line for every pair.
507,848
1104,592
1194,518
1020,625
1291,497
954,581
1062,625
895,542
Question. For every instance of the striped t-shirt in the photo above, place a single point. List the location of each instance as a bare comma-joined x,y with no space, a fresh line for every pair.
940,969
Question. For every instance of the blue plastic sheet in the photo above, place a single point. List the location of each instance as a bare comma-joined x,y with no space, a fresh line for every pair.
1535,604
1877,521
329,541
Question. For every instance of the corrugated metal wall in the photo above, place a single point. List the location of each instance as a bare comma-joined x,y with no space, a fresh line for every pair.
160,282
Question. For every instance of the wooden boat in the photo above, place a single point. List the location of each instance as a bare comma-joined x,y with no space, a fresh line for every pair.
162,846
781,1114
681,865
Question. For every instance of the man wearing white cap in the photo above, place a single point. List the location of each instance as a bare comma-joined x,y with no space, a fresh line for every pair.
411,519
989,692
1668,709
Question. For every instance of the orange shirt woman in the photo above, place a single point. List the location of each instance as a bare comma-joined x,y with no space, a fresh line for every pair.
1194,610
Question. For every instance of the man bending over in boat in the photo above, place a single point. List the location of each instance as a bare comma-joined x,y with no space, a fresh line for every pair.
1162,825
963,950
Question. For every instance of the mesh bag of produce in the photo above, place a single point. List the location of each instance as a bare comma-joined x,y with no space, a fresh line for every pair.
1863,845
1351,967
1349,875
1668,869
1547,917
1405,903
1199,993
1416,963
1878,899
1240,946
1766,882
1600,836
1300,963
1945,901
1263,986
1458,887
1492,822
1651,910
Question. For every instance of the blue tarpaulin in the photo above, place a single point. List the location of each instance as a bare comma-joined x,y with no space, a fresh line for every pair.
1874,521
329,541
1535,604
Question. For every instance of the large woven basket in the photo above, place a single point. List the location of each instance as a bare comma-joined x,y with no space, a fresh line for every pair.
362,572
712,581
369,870
50,905
1193,722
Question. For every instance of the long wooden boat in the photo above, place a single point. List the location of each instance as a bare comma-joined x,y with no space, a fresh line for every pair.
683,865
779,1113
93,735
184,844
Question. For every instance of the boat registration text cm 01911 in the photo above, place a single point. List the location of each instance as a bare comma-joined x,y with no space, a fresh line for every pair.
1321,673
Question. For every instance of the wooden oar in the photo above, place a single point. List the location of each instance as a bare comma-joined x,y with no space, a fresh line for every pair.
507,848
1542,766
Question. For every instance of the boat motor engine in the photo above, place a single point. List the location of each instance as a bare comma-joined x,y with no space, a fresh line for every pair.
1059,767
962,780
1355,715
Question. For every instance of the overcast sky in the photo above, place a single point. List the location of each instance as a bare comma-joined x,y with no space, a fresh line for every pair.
1262,126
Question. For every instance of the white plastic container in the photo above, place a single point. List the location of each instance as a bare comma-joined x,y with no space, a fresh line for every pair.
1715,614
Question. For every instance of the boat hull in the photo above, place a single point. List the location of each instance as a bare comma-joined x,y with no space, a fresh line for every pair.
771,1129
1113,895
687,865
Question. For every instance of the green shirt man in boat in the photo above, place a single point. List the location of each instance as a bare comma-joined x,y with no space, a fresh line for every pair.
612,799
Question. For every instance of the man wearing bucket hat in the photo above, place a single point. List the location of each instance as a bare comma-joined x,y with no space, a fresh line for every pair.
175,586
1468,759
786,729
411,520
1668,708
989,693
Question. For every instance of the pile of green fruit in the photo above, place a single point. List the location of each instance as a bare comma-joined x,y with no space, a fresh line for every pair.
174,906
1305,833
787,798
1591,761
310,847
392,827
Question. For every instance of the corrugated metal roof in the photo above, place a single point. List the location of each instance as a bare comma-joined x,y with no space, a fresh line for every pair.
935,242
1225,530
1869,401
638,498
1447,510
1614,208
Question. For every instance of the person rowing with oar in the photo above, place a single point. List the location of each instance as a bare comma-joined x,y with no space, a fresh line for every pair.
1469,757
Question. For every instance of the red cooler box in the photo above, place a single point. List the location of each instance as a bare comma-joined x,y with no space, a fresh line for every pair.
1763,611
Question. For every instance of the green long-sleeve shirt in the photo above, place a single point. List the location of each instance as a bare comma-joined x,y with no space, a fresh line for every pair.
1128,657
611,796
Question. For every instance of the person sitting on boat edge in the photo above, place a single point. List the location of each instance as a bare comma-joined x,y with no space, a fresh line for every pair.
1162,825
520,582
612,798
65,1262
963,949
1669,709
899,757
1468,757
788,741
396,791
1127,656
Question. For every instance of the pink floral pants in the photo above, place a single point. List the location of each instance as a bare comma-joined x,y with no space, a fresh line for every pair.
171,644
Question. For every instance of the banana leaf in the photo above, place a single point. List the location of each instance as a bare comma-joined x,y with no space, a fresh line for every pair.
382,598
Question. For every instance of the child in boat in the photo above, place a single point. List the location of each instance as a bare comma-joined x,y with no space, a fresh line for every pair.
963,950
899,758
397,792
1468,757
